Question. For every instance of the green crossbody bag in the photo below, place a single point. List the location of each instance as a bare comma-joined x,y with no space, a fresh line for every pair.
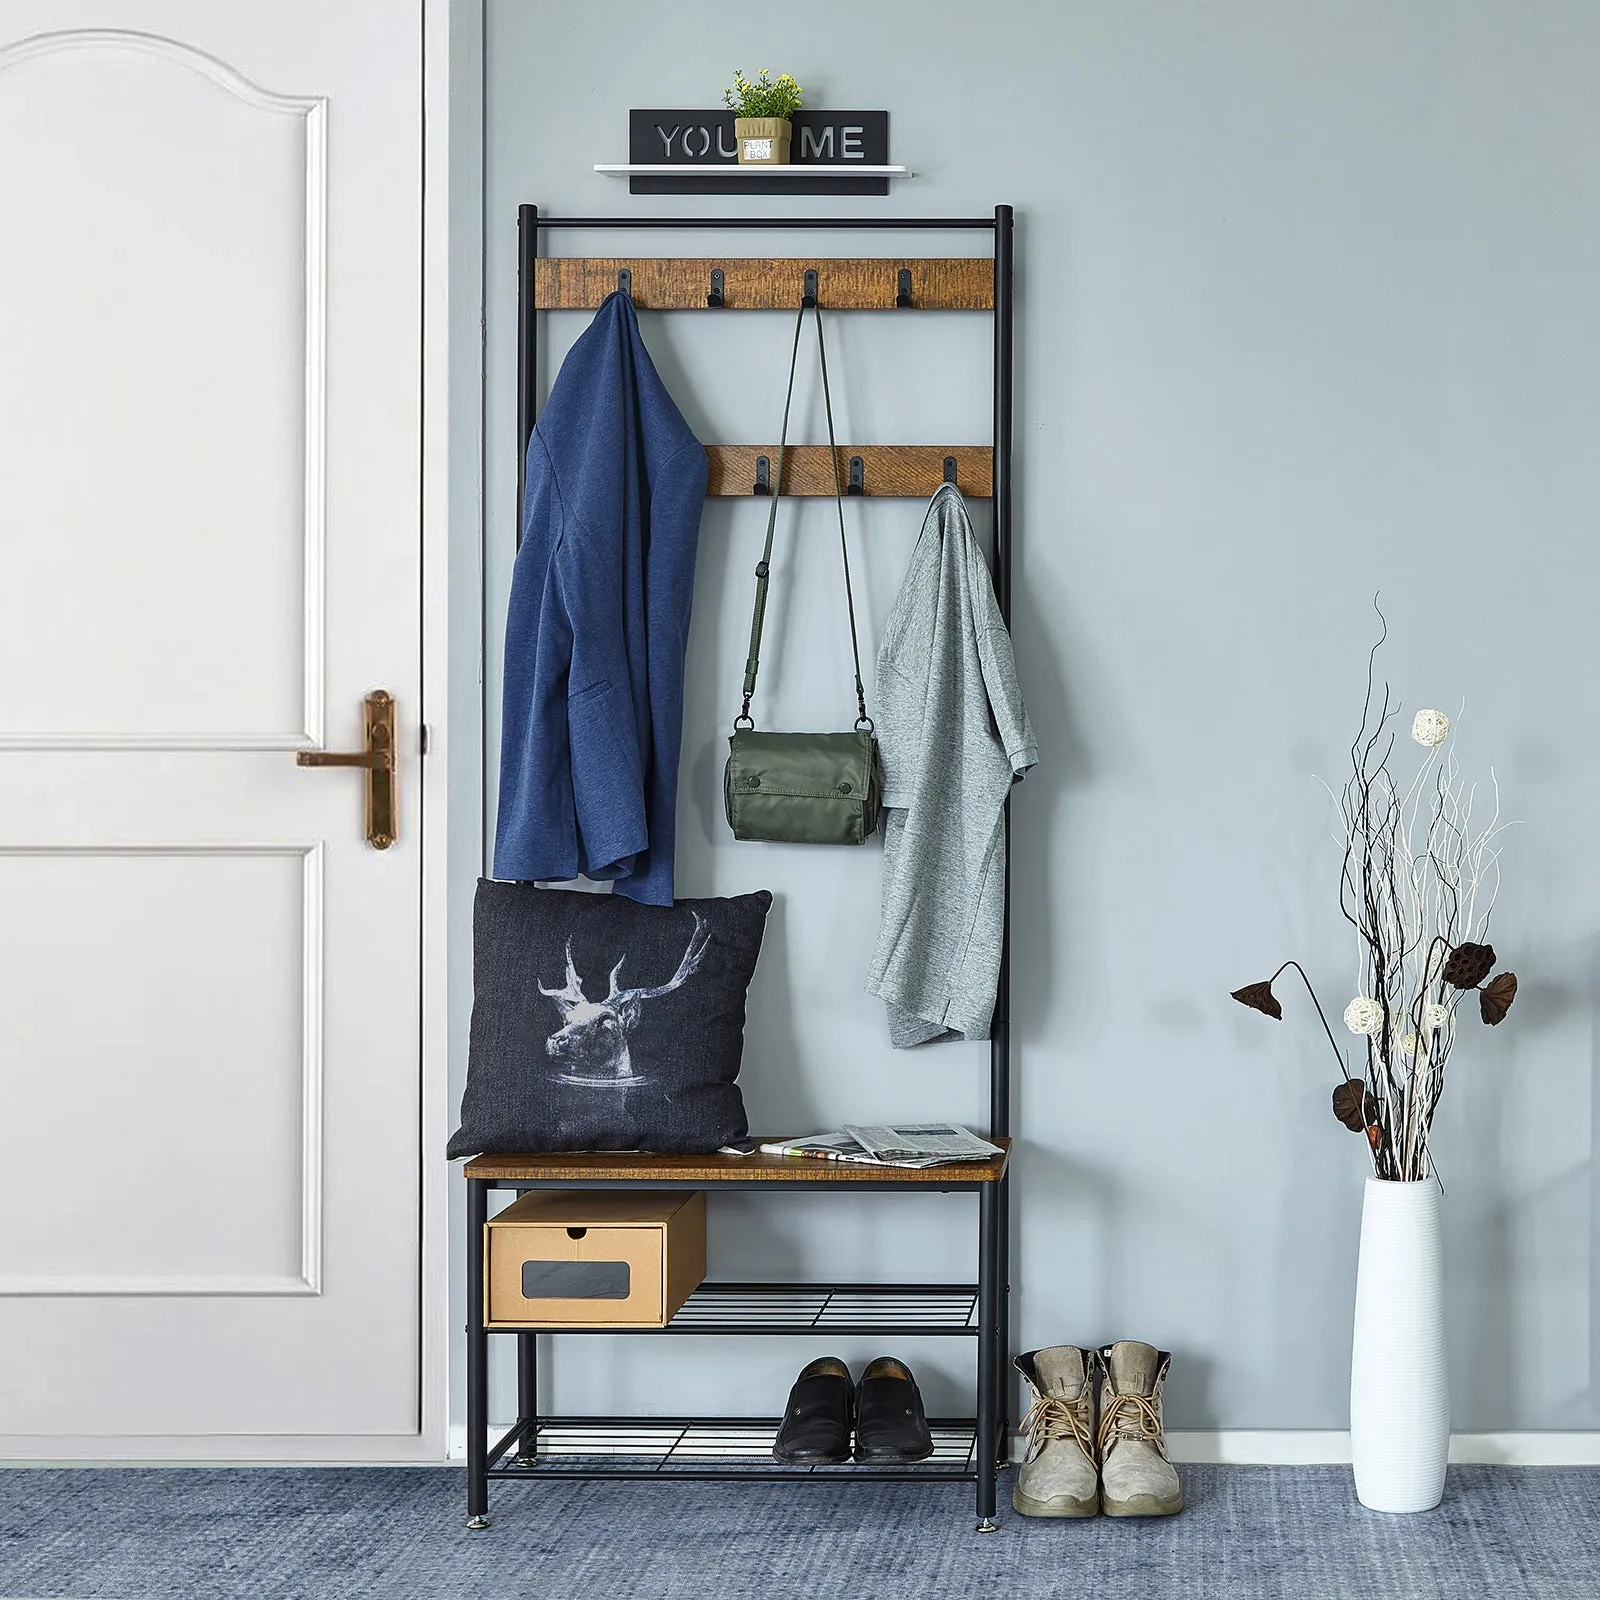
802,788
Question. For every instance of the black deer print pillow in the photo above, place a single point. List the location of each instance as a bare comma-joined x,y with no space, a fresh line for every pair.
599,1024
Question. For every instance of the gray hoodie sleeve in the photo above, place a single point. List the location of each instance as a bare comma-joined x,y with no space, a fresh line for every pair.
1000,670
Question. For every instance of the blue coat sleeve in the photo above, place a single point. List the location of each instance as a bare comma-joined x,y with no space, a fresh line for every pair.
536,835
675,507
608,739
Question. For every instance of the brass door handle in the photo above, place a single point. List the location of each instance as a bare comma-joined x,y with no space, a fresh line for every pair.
378,760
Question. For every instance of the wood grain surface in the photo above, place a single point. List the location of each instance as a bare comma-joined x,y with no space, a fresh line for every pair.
906,470
673,283
643,1167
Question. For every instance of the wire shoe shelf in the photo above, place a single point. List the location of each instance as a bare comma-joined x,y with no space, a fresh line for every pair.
906,1309
712,1447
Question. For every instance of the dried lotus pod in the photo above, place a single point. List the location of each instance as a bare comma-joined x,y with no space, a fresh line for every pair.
1469,965
1495,998
1259,997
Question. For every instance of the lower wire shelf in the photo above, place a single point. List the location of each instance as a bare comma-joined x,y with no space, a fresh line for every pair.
900,1309
714,1448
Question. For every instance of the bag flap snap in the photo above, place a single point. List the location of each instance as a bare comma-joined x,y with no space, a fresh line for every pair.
843,790
834,766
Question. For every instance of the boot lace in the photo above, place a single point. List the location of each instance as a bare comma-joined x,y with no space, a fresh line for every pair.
1131,1416
1052,1416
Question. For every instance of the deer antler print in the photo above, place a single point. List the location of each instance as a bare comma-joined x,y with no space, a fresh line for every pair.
693,955
594,1033
571,994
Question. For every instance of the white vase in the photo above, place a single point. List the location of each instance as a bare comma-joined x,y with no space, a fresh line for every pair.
1399,1370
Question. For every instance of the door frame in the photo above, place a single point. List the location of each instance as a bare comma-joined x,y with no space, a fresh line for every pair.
452,293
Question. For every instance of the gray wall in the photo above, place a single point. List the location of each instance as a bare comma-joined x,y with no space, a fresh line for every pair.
1306,310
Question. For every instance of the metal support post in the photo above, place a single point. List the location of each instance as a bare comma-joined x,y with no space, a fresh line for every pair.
989,1271
527,347
477,1361
1000,1029
527,1392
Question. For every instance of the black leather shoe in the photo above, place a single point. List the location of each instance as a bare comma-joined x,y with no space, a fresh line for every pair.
890,1423
816,1422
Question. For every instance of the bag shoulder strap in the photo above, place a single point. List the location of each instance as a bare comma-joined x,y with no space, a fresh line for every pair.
763,566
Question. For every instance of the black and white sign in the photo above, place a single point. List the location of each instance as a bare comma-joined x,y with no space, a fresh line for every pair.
699,138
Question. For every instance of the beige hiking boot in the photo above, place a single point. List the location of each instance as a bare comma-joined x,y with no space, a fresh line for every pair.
1136,1479
1059,1477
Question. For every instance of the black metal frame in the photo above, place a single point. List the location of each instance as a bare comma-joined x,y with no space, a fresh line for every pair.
990,1426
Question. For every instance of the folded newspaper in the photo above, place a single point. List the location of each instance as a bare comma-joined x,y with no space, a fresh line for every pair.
906,1144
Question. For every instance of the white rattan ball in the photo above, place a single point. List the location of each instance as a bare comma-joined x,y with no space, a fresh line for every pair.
1430,728
1435,1016
1363,1015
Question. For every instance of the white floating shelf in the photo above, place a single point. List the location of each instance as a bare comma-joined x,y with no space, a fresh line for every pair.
729,169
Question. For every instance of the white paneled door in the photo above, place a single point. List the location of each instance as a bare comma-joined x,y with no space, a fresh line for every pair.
210,313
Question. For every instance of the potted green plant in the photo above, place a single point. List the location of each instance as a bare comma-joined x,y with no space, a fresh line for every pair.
761,112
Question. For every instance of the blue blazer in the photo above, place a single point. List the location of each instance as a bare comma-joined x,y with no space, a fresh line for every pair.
598,623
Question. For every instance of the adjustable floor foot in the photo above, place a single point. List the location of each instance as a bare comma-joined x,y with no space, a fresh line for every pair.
988,1525
477,1524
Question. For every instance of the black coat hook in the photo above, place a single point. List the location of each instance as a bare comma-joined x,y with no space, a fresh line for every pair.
763,483
949,469
808,292
902,299
625,282
714,299
857,483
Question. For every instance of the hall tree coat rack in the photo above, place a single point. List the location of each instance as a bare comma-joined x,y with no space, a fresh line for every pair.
969,1450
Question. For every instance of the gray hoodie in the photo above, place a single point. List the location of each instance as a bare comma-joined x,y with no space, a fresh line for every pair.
953,736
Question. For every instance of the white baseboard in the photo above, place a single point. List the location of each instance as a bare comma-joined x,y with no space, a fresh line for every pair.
1306,1447
1283,1447
1298,1447
1551,1449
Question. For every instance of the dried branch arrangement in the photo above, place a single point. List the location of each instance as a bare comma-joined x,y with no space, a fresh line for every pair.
1418,885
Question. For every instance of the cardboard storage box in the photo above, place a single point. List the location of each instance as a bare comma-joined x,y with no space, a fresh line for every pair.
557,1259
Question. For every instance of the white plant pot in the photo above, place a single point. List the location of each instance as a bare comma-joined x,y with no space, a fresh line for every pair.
1399,1370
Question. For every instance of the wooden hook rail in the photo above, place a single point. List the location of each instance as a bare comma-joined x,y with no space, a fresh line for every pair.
905,471
667,283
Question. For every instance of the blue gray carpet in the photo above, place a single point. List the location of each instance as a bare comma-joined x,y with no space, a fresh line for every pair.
1277,1533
